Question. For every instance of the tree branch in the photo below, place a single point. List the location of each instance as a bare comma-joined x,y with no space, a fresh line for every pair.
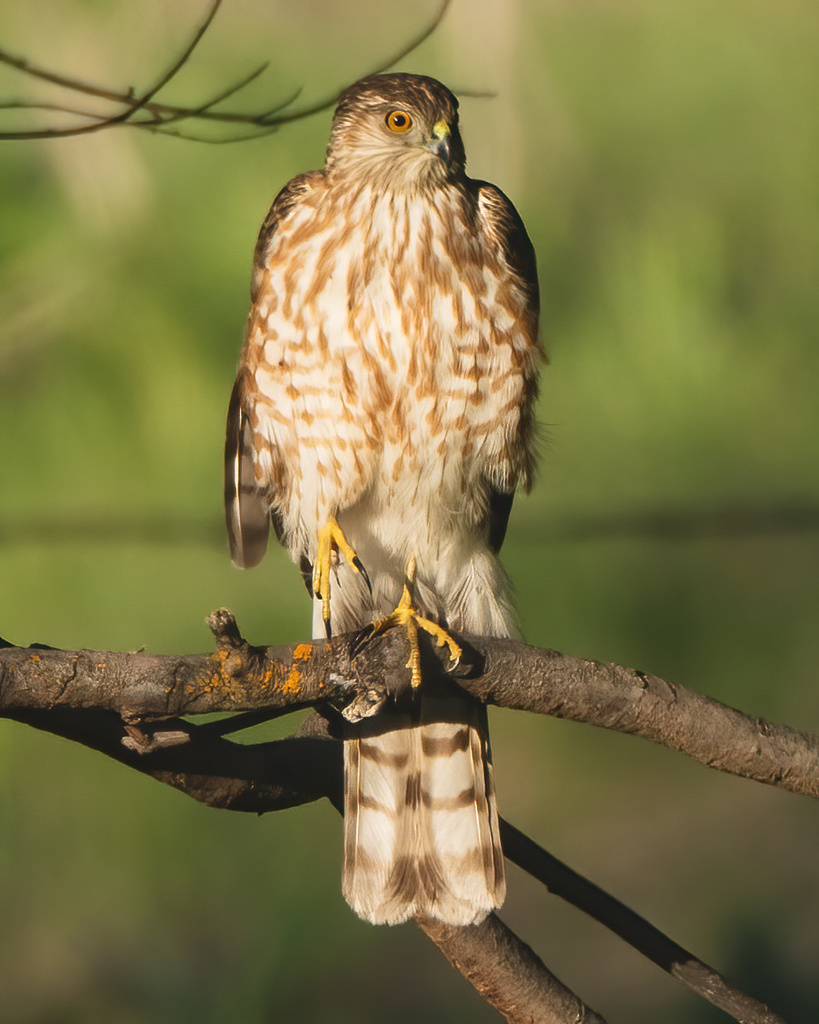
128,706
630,701
257,777
489,955
156,116
356,678
236,677
562,881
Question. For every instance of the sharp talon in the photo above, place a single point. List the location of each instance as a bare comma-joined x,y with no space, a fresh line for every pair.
328,629
359,567
361,639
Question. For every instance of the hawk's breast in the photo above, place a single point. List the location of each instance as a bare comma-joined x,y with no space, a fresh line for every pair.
389,348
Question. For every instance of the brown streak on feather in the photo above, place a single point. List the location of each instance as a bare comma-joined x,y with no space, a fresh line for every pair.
445,746
370,803
412,790
466,798
372,752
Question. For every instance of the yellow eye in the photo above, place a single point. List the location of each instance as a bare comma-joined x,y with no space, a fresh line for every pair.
399,121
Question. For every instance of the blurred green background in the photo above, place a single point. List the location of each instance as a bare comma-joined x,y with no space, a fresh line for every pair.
665,157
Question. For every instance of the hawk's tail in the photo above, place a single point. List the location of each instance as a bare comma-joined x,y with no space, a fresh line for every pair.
421,826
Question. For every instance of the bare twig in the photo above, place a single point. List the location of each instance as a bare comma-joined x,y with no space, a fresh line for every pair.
133,104
142,110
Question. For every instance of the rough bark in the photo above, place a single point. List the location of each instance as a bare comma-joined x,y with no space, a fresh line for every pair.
508,974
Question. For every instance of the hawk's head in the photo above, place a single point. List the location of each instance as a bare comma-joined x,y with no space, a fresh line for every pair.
396,132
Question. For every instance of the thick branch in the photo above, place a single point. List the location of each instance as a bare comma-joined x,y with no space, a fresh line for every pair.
198,761
630,701
236,677
508,974
357,678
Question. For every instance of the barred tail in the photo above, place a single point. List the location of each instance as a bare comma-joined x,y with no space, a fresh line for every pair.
421,826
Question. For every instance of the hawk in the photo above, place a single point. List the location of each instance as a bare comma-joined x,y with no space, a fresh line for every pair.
382,419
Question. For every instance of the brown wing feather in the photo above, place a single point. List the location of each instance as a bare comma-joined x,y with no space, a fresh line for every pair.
504,226
285,201
247,503
246,508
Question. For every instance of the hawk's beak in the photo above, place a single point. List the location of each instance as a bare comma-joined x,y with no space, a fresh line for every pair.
440,142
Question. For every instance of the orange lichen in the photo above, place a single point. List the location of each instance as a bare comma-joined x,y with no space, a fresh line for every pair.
221,657
301,653
226,667
291,684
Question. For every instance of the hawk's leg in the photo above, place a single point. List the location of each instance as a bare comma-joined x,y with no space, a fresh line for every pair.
331,544
405,615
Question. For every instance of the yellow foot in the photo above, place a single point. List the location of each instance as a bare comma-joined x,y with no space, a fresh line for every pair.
331,544
406,615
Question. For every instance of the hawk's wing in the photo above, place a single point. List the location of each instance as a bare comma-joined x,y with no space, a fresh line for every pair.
246,504
504,226
250,501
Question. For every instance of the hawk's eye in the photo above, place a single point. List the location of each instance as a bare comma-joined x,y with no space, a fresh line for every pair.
399,121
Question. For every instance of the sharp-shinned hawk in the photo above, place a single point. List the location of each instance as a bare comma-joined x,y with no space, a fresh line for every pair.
382,418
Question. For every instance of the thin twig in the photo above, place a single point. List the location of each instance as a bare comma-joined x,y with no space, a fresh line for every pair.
162,114
132,103
414,43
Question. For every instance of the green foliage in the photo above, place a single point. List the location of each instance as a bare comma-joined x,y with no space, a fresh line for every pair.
667,160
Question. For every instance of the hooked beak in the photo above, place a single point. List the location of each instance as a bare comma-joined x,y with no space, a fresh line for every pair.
440,142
